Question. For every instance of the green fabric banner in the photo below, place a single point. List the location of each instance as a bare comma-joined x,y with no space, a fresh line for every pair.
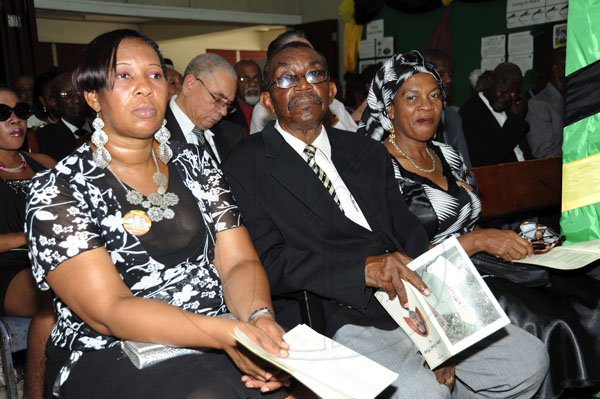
582,138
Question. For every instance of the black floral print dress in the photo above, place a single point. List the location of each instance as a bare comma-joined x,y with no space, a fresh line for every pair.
77,206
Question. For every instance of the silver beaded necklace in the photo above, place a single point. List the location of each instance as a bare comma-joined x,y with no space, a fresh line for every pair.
157,204
393,143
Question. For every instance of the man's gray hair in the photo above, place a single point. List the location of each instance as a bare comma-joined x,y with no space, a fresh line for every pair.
208,63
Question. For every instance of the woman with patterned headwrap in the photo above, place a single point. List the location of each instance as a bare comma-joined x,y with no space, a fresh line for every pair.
404,107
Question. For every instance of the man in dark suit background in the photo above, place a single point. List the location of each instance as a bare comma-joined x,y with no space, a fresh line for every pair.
195,114
326,216
494,122
61,138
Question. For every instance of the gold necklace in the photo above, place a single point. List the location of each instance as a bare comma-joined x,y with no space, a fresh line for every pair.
393,143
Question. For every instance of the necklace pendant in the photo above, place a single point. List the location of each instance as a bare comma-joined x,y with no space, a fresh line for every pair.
137,222
158,204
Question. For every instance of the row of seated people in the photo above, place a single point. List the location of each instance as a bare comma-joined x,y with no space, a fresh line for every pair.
339,239
496,125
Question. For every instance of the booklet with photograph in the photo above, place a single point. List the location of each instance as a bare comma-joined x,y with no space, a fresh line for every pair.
459,311
326,367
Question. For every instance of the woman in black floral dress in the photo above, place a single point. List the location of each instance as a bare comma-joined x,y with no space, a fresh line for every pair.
139,244
405,104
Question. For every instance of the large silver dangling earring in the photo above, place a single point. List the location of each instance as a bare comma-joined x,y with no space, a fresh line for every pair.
162,136
99,139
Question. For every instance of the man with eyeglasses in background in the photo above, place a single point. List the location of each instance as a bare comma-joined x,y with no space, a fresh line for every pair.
248,93
60,139
195,115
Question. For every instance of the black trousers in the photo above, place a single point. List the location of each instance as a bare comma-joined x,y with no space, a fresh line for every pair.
108,373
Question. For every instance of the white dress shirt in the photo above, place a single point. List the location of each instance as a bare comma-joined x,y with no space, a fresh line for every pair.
74,128
323,159
187,127
501,117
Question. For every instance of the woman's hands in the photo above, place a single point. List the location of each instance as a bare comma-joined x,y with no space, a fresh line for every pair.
269,335
504,244
387,272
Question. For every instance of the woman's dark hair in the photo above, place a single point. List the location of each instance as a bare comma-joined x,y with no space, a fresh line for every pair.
99,58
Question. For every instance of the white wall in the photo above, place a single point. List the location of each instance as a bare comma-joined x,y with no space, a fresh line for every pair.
181,51
74,32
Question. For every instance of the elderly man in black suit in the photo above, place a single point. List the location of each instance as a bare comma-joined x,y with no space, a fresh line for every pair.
494,119
61,138
326,216
195,114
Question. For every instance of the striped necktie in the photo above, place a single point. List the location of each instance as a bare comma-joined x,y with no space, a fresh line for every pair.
310,151
203,143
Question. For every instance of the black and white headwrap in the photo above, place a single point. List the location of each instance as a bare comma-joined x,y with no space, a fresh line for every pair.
375,121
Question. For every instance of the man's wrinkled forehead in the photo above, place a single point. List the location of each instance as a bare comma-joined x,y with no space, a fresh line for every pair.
287,58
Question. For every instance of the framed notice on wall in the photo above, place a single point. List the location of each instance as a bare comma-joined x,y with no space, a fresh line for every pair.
559,35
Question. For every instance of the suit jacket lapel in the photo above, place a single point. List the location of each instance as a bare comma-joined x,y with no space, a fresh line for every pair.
294,174
347,160
173,126
220,139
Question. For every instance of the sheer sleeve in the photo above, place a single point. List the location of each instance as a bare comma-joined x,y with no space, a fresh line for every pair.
59,224
221,204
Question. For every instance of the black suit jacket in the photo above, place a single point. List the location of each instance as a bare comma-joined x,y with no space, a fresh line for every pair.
227,134
56,140
490,144
305,242
238,117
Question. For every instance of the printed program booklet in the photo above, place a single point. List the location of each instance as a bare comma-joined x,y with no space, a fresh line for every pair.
567,257
326,367
459,311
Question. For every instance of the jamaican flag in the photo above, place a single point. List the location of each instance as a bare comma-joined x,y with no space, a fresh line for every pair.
580,219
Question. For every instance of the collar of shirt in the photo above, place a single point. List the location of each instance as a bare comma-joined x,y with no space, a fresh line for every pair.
184,122
501,117
321,143
208,134
323,158
72,127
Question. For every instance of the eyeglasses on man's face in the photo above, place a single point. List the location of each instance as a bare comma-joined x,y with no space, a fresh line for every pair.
21,110
288,81
220,102
68,94
248,79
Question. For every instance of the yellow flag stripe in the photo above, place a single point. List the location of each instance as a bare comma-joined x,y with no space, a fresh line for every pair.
580,182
